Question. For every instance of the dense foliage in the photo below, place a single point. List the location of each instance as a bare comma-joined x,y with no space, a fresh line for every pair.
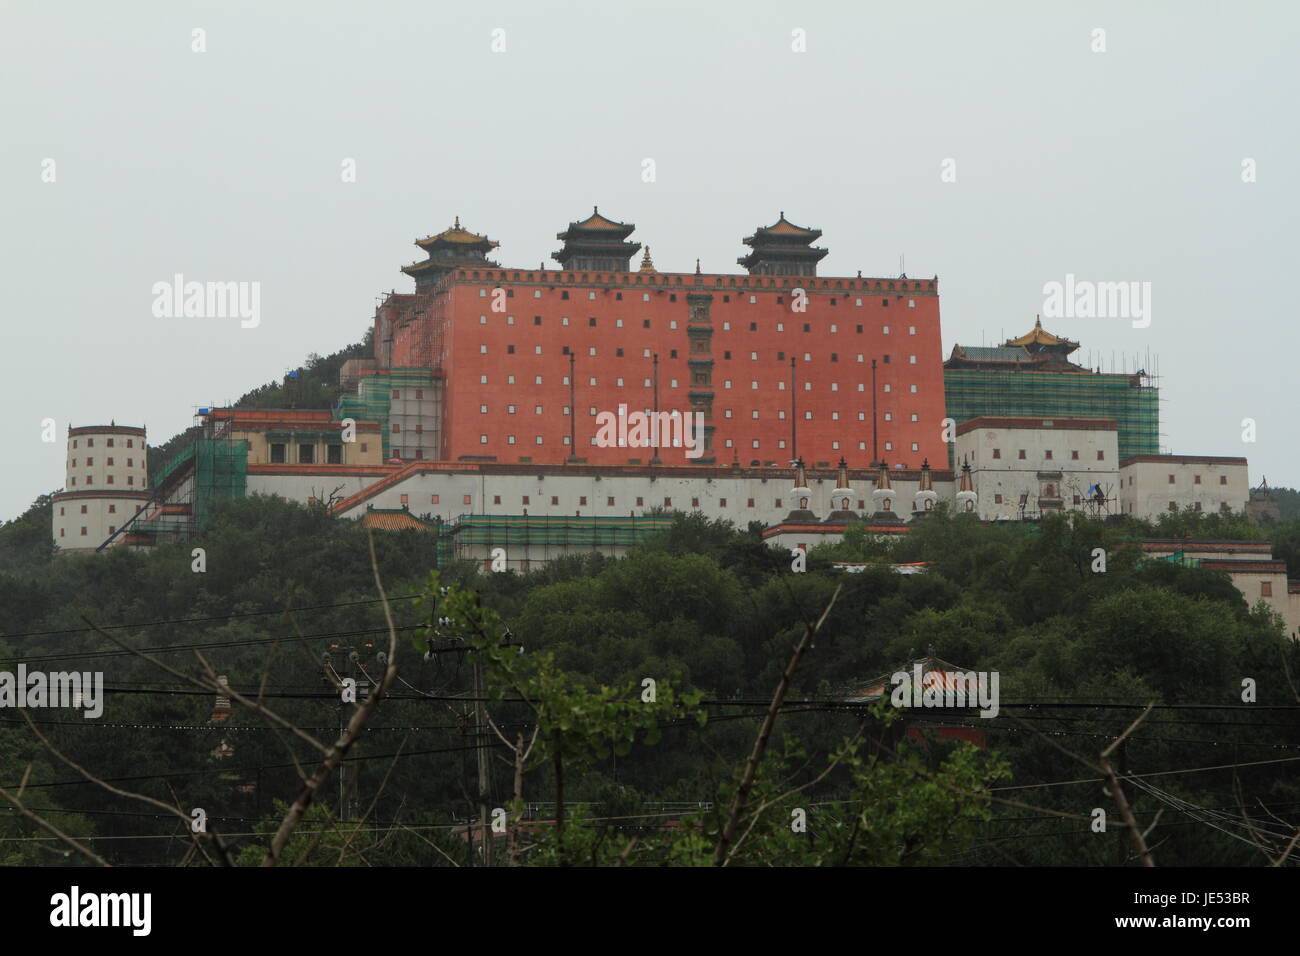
708,612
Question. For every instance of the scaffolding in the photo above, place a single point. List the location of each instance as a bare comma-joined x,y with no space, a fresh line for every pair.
564,533
186,488
1123,398
220,474
373,399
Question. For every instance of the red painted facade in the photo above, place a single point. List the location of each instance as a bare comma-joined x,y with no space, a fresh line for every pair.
751,332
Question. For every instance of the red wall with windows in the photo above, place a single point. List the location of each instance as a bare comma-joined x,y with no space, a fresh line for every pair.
471,341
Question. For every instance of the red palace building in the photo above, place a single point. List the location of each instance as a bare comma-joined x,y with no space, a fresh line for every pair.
515,364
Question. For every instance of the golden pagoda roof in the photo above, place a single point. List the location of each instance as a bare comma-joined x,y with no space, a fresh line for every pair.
597,221
647,264
784,227
458,236
1038,336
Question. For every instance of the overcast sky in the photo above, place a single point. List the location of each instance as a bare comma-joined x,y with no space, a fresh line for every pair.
227,165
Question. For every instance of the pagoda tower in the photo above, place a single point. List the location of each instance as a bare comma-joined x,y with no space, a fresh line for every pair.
966,497
783,249
925,497
842,497
882,497
597,244
449,250
801,495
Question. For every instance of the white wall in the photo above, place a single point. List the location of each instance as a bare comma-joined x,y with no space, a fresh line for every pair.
1010,476
1146,489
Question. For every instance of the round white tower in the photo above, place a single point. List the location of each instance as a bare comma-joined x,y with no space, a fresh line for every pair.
107,482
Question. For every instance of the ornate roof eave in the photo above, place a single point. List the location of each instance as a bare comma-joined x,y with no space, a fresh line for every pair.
621,250
1040,336
596,225
814,254
445,265
457,236
783,229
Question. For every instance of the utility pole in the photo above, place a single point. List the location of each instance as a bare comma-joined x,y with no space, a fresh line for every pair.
573,411
875,443
794,415
654,456
480,748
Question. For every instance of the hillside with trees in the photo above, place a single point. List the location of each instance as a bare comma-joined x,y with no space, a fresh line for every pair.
288,610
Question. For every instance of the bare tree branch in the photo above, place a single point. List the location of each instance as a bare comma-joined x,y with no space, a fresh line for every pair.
760,743
348,737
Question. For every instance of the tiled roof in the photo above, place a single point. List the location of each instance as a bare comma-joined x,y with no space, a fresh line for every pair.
995,353
394,521
1037,336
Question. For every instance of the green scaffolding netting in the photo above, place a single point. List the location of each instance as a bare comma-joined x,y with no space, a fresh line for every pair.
1135,409
220,474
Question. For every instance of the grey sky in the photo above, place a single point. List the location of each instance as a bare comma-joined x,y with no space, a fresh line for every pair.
225,165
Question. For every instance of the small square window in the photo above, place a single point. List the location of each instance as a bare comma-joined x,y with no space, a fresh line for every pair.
467,499
433,499
997,452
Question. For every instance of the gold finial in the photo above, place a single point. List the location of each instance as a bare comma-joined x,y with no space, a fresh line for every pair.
647,264
697,266
457,223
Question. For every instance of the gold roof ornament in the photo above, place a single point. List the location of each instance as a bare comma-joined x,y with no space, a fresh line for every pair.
1039,336
647,264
